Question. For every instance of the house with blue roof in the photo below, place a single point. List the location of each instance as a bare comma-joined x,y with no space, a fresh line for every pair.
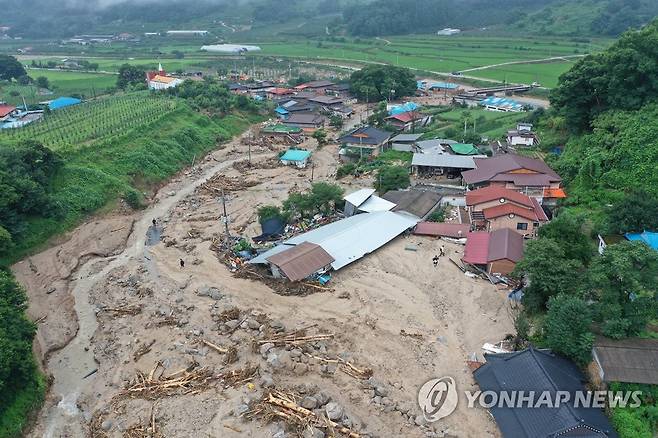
501,104
296,157
63,102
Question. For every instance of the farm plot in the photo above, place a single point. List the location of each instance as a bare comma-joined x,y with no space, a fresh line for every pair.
74,127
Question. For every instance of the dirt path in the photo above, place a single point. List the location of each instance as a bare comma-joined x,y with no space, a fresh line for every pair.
74,365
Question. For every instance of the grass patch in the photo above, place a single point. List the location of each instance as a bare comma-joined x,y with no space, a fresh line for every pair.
22,403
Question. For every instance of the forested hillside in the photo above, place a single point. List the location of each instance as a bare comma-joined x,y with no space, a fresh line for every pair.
353,17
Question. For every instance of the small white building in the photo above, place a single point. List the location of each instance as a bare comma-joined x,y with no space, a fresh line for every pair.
522,136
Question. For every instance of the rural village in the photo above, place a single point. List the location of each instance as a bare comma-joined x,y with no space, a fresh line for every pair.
323,250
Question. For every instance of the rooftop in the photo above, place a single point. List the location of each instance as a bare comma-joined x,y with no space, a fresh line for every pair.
443,160
349,239
629,360
367,135
482,247
406,138
301,261
539,370
491,193
440,229
503,167
416,202
295,155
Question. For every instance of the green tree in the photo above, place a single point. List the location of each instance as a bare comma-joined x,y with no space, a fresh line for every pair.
267,212
42,82
322,198
624,282
625,76
381,82
320,136
6,242
336,121
548,271
392,178
567,328
130,75
11,68
635,211
567,230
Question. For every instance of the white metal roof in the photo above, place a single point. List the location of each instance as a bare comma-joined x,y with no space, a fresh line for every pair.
349,239
443,160
359,197
375,203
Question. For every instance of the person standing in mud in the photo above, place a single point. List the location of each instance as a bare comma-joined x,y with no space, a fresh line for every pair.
154,223
182,263
435,261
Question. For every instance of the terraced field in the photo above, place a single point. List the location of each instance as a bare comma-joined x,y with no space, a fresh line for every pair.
75,127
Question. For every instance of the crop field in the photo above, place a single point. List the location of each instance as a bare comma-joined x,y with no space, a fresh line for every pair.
447,54
75,127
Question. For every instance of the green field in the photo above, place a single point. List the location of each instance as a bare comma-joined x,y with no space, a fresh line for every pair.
62,83
444,55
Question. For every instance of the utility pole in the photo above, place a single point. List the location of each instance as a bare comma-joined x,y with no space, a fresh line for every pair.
312,171
225,219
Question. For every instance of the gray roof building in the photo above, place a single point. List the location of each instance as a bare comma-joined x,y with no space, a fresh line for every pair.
538,371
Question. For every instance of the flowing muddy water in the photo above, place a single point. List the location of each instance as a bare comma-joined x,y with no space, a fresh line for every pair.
73,367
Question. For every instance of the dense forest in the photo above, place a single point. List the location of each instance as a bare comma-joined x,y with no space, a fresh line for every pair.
354,17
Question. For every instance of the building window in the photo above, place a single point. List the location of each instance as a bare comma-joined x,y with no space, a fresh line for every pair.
535,224
522,226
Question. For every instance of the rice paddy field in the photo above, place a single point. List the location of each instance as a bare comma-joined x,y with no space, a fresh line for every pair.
444,55
476,54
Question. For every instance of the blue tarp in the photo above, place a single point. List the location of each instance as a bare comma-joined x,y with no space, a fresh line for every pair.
63,102
648,237
282,111
404,108
502,103
295,155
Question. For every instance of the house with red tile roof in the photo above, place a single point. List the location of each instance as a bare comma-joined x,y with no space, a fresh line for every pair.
6,111
527,175
408,120
493,208
497,252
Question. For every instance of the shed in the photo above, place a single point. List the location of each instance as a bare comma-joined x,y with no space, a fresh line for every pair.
441,164
301,261
296,157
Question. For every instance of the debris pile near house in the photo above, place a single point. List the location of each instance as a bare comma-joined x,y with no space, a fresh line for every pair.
245,166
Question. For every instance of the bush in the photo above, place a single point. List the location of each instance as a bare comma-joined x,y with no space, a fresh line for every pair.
345,169
21,387
134,199
438,215
392,178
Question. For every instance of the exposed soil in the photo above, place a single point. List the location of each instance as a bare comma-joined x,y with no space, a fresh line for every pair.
143,319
